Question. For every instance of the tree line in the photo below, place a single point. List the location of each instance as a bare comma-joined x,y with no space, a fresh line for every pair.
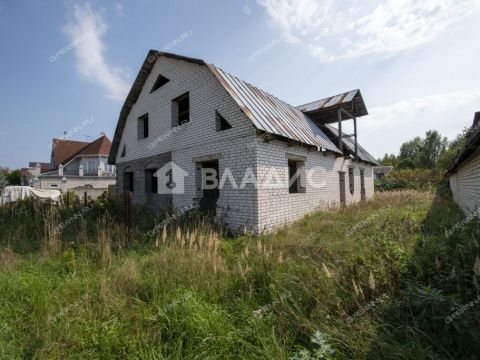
434,152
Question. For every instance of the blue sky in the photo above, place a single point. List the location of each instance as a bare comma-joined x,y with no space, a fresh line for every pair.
67,65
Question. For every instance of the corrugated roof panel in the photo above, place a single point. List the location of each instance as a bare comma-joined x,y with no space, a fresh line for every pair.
273,115
328,102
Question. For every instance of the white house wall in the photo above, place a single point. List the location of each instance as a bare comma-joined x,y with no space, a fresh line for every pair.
277,206
206,96
465,185
198,138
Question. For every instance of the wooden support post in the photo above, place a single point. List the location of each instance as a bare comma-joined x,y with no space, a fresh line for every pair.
340,140
127,198
355,133
85,199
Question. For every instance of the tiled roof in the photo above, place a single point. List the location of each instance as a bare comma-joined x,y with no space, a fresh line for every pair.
63,150
66,150
44,167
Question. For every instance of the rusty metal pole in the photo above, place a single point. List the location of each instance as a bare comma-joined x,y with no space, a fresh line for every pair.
127,197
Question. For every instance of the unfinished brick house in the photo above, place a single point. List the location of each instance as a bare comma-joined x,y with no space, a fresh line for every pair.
195,115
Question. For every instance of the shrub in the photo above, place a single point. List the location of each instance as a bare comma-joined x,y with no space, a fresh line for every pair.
409,179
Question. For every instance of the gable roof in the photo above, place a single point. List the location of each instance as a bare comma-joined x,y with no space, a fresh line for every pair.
64,151
472,144
266,112
100,146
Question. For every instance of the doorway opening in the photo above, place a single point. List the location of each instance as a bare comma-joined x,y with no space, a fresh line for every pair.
209,186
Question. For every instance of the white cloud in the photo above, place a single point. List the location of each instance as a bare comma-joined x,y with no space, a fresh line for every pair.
387,127
407,112
348,29
89,52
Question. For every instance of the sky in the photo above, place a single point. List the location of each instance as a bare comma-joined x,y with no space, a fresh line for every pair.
67,65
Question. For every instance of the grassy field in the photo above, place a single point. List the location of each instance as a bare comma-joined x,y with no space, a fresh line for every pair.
379,280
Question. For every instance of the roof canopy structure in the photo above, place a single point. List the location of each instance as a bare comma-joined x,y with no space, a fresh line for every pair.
325,111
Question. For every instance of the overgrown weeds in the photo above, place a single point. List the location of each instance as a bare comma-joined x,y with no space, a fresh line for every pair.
182,290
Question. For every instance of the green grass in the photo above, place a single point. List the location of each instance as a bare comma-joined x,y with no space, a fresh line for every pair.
89,293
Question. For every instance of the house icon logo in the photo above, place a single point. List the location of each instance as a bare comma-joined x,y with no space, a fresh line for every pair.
171,179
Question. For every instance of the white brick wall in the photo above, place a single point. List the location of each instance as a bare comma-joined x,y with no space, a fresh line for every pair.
278,206
241,209
465,185
44,182
198,137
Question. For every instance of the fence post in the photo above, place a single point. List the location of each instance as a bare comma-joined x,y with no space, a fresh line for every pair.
127,199
85,199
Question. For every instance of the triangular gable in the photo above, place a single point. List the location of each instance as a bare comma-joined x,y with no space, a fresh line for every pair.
266,112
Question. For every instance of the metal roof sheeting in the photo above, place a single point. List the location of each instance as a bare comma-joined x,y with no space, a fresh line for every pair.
273,115
328,102
350,145
324,111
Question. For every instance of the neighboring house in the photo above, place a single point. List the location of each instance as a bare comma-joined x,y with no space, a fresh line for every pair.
76,166
381,171
184,111
464,172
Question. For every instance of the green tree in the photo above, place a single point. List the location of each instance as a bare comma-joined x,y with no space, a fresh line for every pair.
453,148
433,146
410,151
388,160
3,180
13,177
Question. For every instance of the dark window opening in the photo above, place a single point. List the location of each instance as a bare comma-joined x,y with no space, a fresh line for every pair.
351,181
221,123
296,177
151,181
128,181
161,80
142,128
181,110
124,151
